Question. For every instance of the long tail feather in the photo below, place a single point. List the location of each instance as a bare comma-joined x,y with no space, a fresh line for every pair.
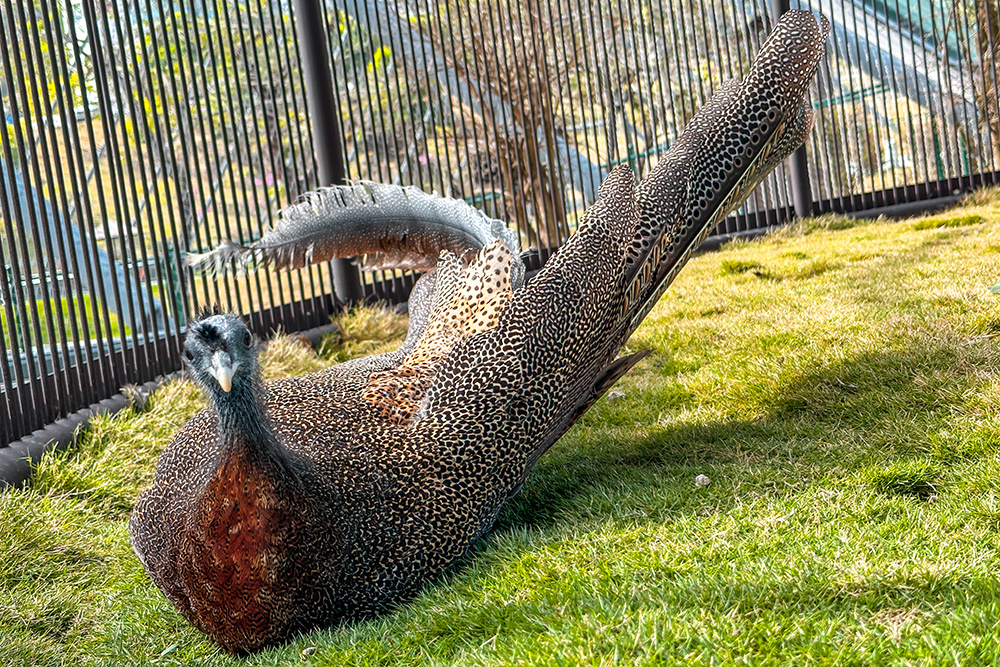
726,150
558,339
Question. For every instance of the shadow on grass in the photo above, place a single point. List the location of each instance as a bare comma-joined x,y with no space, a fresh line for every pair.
860,412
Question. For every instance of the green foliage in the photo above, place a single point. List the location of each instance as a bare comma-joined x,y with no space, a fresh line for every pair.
73,310
847,419
15,156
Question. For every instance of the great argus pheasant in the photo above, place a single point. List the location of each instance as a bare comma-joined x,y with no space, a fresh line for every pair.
334,496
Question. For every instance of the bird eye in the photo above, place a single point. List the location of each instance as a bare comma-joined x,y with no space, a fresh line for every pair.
247,338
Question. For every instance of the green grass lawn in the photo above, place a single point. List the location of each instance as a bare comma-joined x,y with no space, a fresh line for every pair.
838,382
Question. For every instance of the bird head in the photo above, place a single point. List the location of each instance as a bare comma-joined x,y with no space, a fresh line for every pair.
221,353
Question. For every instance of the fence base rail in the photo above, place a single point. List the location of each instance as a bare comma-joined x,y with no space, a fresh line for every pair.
18,458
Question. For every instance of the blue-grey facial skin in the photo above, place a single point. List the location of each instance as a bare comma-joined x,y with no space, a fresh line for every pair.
216,349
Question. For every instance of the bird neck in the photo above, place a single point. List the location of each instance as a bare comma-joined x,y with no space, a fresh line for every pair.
246,433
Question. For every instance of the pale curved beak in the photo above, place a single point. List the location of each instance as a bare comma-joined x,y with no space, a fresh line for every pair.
223,370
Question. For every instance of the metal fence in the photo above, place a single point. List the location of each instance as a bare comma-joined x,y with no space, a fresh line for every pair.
137,130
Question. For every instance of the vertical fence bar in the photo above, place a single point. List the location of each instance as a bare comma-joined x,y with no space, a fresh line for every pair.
113,115
182,167
103,90
19,402
99,345
161,138
237,147
223,83
798,167
323,114
51,292
279,159
25,298
183,177
87,384
150,321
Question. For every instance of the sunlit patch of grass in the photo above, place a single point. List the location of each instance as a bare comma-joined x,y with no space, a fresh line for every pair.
290,355
988,196
915,477
951,221
364,331
845,411
828,222
740,266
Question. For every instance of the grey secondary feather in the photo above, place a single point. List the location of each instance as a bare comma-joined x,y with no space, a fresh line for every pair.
382,226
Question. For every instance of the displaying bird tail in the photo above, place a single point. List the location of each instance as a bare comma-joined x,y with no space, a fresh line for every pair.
383,226
556,342
745,130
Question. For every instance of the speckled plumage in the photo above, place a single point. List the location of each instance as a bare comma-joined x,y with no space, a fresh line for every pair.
467,303
334,496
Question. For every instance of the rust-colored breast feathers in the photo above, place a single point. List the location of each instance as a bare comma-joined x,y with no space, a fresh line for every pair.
237,563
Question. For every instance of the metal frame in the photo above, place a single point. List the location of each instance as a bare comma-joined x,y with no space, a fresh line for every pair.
148,128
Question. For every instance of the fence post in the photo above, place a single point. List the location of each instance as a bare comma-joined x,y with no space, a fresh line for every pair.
797,166
323,114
